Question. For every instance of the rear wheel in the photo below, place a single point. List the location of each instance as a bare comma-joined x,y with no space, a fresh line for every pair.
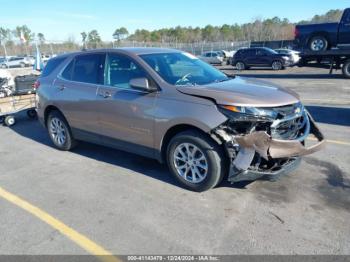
59,131
318,43
346,68
31,113
240,66
195,161
277,65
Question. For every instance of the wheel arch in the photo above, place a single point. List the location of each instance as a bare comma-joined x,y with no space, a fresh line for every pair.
173,131
320,33
49,109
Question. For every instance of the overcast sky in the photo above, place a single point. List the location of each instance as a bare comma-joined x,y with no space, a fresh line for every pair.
58,20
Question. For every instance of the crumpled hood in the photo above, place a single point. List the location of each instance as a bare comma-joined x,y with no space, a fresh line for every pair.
243,92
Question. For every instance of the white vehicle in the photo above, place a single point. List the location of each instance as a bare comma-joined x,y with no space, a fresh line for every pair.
212,57
294,55
16,61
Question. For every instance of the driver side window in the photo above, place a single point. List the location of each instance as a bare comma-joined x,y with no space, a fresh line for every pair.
120,70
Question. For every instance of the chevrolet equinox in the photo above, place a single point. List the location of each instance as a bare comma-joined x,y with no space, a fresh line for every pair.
169,105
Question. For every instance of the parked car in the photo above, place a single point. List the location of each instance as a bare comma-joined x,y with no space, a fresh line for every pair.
260,57
320,37
171,106
213,57
16,61
293,55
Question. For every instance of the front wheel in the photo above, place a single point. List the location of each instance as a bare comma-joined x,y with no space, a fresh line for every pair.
195,161
318,44
59,131
9,120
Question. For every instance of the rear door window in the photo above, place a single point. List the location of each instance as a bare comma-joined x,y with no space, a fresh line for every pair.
88,68
250,52
52,64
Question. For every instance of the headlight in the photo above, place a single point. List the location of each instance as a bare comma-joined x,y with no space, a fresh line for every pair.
248,112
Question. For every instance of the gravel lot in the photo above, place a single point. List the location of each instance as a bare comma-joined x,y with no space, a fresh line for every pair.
130,205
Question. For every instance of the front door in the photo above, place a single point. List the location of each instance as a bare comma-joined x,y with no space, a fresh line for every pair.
125,114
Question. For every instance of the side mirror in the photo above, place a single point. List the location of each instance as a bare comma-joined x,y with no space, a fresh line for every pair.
141,84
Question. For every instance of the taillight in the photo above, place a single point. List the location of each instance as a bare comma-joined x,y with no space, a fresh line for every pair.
296,32
36,84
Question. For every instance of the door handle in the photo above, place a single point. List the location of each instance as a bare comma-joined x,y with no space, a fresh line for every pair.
105,94
61,87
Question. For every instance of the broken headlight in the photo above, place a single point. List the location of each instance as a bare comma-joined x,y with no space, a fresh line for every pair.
248,113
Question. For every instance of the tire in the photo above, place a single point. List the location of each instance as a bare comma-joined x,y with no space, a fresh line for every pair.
59,131
31,113
3,66
318,44
9,120
206,153
277,65
240,66
346,68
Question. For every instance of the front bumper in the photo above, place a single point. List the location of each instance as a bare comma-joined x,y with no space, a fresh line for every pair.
286,152
277,148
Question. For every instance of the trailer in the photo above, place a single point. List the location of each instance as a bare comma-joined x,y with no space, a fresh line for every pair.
9,106
332,59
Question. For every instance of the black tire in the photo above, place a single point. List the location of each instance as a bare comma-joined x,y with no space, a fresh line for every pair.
31,113
69,141
318,44
214,156
346,68
9,120
240,65
277,65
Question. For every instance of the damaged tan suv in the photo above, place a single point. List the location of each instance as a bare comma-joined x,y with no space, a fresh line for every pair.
169,105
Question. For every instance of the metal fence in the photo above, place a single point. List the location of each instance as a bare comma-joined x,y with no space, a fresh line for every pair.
195,48
289,44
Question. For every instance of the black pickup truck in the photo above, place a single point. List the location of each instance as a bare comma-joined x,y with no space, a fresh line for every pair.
320,37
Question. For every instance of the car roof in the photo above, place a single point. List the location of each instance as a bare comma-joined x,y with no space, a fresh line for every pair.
130,50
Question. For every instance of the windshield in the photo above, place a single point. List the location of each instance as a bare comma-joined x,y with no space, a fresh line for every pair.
183,69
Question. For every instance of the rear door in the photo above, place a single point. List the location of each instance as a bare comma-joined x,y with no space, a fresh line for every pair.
75,92
126,115
250,57
344,29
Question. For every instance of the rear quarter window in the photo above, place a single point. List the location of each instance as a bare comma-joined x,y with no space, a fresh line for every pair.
52,64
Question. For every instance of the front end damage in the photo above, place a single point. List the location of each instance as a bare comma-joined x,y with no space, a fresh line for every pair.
266,146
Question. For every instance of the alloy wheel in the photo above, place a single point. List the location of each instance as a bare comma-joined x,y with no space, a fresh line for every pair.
317,45
58,131
190,162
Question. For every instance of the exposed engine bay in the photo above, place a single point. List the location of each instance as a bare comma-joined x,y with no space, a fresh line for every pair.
266,142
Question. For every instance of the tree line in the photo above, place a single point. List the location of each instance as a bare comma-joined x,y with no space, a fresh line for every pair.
258,30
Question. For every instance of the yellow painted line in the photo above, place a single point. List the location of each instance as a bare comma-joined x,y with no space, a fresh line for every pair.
81,240
332,141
